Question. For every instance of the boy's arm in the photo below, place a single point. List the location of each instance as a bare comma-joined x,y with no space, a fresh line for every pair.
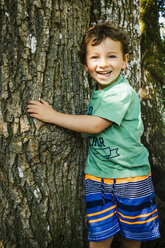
79,123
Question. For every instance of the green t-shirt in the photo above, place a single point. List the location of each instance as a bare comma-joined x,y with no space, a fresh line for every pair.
117,152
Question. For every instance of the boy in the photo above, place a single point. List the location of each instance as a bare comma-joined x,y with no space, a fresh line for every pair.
119,190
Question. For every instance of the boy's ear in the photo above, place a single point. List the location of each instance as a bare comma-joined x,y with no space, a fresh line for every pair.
126,58
86,67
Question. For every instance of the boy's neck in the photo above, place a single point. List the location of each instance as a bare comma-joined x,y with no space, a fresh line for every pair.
101,87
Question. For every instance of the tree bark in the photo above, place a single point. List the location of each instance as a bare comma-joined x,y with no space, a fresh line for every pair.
151,94
42,195
41,165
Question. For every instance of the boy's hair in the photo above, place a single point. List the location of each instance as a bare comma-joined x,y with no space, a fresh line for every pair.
100,32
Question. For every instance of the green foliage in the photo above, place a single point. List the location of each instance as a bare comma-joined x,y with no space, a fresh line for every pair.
161,7
153,47
163,62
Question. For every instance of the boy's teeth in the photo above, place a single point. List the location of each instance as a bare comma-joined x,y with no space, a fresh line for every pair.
104,73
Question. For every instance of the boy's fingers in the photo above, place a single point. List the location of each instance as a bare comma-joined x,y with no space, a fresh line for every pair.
33,102
33,105
32,109
38,102
43,101
34,115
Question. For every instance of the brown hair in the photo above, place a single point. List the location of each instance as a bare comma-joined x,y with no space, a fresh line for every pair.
100,32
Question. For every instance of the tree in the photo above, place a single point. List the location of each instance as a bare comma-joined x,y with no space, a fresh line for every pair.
153,77
42,203
41,165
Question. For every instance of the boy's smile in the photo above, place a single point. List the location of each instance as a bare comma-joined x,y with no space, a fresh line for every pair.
105,61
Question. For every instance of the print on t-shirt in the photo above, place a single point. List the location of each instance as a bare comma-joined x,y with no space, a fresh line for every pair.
99,148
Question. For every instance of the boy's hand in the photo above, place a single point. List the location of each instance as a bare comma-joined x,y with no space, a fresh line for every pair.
79,123
41,110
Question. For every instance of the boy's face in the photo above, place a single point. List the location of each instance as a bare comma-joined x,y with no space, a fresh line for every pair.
105,61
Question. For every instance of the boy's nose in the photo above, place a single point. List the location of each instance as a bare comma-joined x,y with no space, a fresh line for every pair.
103,63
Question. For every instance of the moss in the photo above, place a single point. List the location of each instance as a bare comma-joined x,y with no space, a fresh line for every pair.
151,45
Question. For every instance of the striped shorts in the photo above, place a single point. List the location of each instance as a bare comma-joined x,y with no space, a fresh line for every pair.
124,205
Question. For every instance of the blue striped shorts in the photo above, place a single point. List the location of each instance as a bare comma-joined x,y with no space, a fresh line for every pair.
124,205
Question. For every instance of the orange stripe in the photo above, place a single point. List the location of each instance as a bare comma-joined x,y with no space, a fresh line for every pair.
138,222
118,180
101,212
87,176
103,218
108,181
138,216
131,179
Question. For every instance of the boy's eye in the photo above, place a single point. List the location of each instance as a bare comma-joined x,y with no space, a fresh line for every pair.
112,56
94,57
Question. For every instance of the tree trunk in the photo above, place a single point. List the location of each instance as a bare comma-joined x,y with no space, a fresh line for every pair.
151,101
42,196
41,165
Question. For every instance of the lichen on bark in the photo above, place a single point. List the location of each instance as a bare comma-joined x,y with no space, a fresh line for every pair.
151,102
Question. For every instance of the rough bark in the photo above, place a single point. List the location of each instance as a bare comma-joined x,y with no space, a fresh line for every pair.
41,165
42,198
151,94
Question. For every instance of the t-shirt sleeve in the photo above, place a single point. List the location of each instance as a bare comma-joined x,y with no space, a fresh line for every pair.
114,104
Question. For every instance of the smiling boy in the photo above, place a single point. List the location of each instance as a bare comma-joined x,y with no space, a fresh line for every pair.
105,61
119,190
